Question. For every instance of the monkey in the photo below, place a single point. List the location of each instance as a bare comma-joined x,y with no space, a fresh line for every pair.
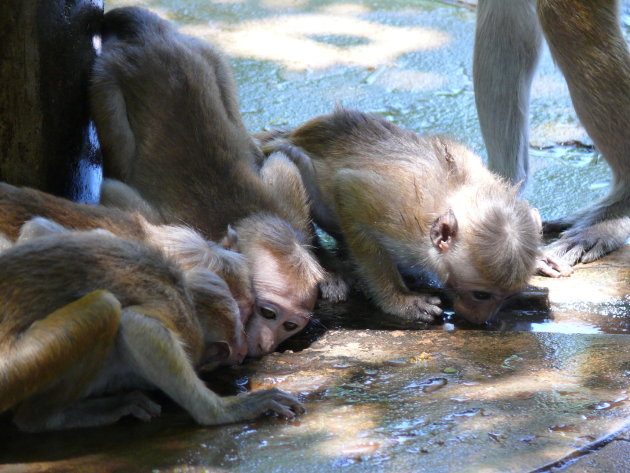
587,44
167,117
216,297
395,198
186,246
89,317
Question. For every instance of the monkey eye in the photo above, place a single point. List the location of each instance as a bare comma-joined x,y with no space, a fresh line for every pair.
481,295
290,326
267,313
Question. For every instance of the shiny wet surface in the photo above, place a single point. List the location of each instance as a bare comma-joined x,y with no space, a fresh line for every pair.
381,401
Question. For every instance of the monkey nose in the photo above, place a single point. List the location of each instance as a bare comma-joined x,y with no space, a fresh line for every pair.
240,356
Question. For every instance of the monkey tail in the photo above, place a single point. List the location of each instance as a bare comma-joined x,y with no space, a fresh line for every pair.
78,334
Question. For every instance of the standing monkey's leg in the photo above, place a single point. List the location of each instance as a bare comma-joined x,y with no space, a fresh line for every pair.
507,47
587,44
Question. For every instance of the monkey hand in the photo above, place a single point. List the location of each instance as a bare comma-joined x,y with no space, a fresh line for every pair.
552,266
255,404
410,308
334,288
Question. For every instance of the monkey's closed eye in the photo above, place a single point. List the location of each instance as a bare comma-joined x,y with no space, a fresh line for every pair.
481,295
290,326
267,313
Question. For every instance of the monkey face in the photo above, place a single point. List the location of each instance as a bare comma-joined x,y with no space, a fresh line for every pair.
473,301
478,306
270,325
278,314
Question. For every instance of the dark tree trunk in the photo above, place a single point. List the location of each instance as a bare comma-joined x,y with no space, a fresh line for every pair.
46,138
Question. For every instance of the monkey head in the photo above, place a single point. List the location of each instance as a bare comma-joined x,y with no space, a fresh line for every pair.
486,259
219,317
284,276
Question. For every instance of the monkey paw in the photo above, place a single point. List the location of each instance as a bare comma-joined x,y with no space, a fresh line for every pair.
587,243
138,405
334,288
415,308
553,267
272,400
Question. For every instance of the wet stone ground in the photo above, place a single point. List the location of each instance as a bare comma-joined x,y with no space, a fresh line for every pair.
543,387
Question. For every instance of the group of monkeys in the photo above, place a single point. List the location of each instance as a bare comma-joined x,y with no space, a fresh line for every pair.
203,251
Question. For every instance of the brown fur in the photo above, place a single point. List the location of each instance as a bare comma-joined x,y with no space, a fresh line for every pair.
166,113
395,197
186,246
85,313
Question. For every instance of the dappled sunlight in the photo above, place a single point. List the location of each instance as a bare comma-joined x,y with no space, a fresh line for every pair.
345,9
284,3
552,132
290,41
547,85
400,79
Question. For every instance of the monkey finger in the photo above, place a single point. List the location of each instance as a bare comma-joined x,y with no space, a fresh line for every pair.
553,266
282,410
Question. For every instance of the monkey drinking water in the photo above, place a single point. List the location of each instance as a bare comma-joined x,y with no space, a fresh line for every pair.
88,317
396,198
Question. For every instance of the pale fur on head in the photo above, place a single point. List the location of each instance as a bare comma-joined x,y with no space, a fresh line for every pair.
191,249
276,236
502,234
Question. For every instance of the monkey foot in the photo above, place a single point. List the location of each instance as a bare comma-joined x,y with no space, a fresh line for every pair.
138,405
585,244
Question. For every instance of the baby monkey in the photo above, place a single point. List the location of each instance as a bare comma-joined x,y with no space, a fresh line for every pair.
395,198
88,317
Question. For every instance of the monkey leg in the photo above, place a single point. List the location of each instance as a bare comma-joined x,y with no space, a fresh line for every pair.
56,359
587,44
109,110
507,47
156,353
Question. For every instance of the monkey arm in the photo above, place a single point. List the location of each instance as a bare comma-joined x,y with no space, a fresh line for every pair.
156,353
119,195
284,181
52,363
109,111
361,212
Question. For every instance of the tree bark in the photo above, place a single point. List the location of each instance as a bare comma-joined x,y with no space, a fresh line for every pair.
46,138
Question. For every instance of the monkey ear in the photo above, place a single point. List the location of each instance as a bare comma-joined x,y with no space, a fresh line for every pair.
217,351
536,216
230,240
443,230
